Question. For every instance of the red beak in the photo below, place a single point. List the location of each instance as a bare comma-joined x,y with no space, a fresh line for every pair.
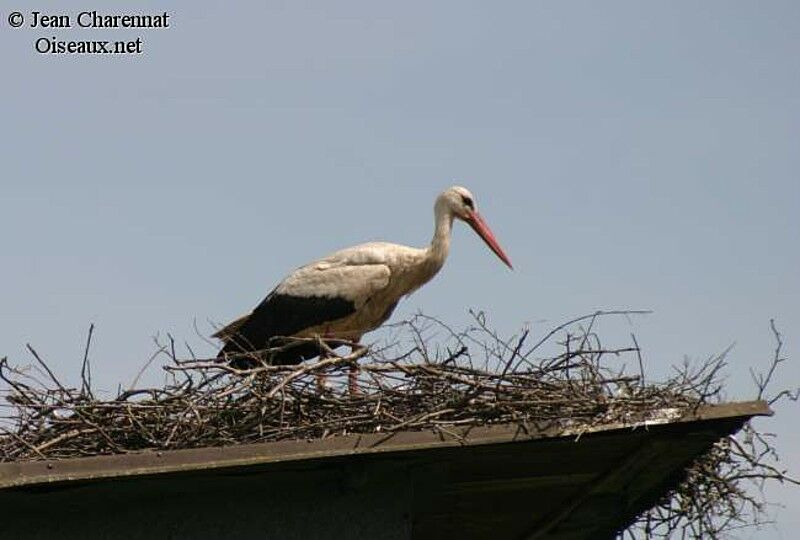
479,226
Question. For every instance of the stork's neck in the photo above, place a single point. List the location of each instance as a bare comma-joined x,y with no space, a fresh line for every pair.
440,245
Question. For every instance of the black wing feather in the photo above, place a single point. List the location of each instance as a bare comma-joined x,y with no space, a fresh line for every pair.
284,315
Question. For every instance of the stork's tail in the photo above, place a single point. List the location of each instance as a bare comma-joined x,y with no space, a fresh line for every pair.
239,359
230,335
231,329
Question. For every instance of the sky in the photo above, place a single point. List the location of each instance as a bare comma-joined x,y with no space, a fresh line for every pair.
628,155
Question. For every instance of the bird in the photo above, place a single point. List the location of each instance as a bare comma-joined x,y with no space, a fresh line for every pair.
348,293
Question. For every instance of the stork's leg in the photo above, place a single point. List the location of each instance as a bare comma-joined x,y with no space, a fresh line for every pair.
322,378
352,377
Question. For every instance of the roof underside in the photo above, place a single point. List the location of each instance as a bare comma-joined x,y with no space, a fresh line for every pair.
495,481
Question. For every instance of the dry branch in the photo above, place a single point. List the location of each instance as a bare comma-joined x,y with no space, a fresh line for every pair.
410,383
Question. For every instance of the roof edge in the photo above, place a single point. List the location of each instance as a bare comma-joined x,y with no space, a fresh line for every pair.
145,463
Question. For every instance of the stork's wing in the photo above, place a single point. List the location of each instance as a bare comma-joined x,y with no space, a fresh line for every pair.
312,295
355,283
230,329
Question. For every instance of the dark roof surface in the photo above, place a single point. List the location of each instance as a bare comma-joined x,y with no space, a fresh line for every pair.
486,482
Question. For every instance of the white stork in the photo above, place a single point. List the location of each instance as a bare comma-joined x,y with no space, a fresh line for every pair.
350,292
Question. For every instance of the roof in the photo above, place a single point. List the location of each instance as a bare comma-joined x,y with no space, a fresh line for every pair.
503,481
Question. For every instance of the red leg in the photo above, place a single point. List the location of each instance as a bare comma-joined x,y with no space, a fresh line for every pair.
352,377
322,378
322,382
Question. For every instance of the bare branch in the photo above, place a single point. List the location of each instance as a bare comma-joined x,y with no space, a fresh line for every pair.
424,376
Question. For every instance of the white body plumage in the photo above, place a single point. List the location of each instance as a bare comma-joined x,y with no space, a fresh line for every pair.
354,290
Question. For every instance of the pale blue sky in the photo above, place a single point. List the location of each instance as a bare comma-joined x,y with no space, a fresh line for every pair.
627,155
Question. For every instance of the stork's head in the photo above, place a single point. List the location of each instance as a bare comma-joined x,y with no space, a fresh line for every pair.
459,203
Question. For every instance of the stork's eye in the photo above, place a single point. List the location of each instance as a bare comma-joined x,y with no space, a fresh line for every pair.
467,201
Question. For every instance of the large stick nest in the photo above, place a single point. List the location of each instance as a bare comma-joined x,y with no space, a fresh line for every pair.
469,378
